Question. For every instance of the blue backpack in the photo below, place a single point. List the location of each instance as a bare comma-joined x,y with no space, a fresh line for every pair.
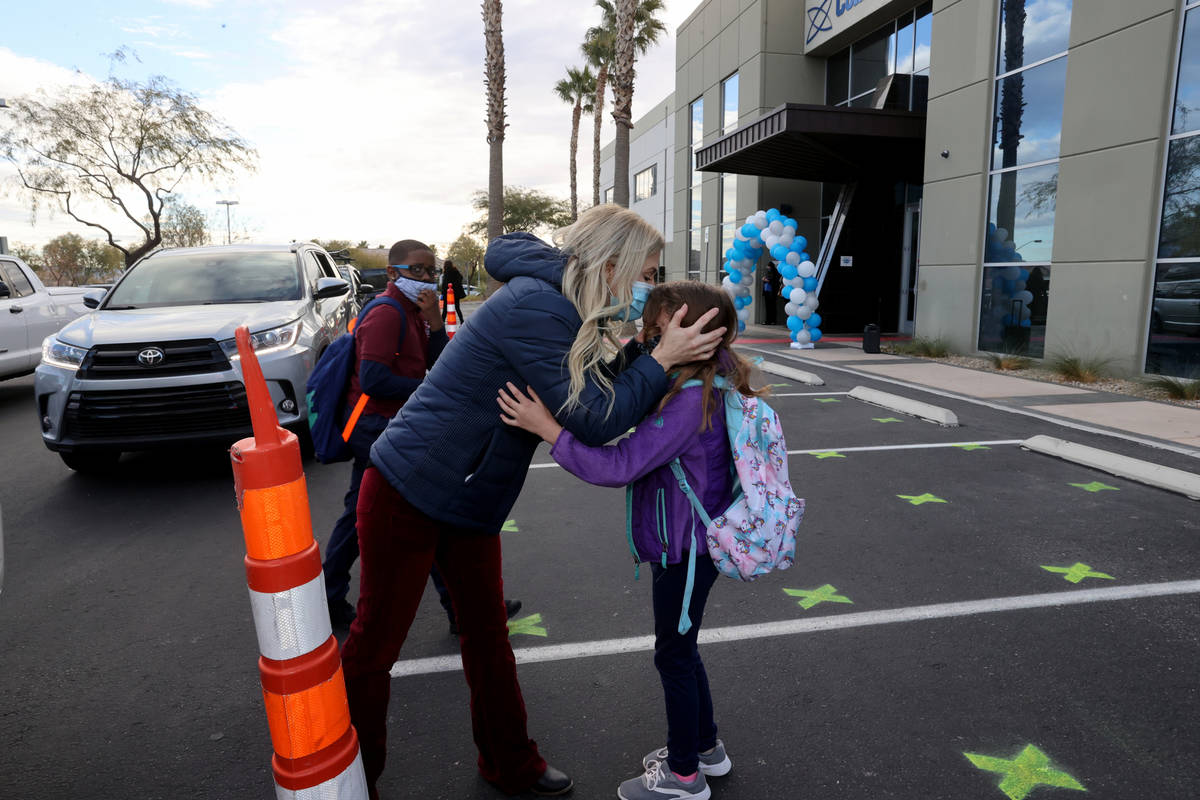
326,391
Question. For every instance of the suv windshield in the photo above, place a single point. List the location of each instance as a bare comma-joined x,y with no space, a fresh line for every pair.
205,278
376,277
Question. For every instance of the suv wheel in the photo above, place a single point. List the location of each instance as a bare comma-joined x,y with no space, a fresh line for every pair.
91,462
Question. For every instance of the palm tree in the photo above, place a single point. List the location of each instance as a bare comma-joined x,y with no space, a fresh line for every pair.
494,80
635,27
577,89
598,44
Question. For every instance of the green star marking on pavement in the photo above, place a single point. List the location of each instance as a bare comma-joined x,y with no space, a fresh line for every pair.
530,626
810,597
886,420
970,447
828,400
1077,572
1096,486
828,454
1031,768
510,527
921,499
778,385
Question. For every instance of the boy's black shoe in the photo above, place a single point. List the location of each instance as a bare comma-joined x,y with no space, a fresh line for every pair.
341,614
553,782
511,608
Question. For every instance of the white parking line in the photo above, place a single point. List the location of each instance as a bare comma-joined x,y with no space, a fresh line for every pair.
805,394
764,630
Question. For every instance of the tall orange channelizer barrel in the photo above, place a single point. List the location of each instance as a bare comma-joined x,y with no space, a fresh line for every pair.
316,747
451,313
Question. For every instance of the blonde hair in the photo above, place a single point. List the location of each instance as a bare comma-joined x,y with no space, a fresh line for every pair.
602,234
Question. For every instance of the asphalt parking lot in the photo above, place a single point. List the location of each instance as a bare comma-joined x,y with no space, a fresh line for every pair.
920,648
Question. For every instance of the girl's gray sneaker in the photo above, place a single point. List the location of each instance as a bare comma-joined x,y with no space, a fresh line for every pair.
659,783
714,764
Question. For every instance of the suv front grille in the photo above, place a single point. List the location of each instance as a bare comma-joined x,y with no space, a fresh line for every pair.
154,413
188,357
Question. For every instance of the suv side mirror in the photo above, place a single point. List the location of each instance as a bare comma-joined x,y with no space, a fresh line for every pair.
93,298
331,287
4,290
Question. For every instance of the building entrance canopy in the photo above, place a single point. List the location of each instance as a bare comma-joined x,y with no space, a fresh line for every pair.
823,143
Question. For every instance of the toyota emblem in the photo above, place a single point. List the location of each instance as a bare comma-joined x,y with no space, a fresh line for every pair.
151,357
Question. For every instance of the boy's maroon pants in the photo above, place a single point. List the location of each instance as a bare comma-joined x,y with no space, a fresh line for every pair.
398,545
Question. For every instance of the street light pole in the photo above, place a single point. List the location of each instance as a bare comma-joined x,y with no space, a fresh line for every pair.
227,204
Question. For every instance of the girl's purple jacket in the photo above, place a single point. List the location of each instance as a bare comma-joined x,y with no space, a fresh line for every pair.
643,459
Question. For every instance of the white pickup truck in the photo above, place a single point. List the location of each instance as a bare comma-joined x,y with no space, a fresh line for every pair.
29,312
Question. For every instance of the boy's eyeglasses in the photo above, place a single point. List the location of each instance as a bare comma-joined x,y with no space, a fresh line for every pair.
419,271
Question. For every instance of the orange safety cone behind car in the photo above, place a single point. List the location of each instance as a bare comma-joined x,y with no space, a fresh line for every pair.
451,313
316,747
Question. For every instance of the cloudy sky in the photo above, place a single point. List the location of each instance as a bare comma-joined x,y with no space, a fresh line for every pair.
368,115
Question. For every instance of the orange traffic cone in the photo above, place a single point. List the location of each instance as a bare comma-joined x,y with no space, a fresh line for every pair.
451,313
316,747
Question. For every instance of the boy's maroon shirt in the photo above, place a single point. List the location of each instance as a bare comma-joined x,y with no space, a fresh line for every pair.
376,339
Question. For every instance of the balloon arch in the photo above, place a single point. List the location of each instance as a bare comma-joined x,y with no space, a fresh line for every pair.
776,234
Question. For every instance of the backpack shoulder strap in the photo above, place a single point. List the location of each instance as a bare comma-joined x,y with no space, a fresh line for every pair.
386,301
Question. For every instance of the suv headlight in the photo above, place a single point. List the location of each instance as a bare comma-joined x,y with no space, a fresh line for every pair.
269,341
61,354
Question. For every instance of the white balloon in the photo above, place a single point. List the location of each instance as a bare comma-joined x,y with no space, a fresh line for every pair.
743,314
765,234
803,312
760,219
1000,235
797,296
787,237
793,258
747,280
771,241
1025,297
737,234
727,283
803,336
791,308
807,269
1026,313
1020,286
1012,273
750,219
776,228
811,303
796,282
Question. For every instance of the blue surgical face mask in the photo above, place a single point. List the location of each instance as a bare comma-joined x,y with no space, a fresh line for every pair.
641,293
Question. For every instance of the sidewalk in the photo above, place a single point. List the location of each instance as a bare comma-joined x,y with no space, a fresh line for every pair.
1173,424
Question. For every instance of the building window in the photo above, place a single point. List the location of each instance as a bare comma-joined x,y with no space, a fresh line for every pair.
1031,76
900,47
729,103
645,184
729,217
608,194
1174,342
695,190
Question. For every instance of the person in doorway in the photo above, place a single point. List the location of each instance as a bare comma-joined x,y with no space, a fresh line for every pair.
452,277
688,429
446,471
770,290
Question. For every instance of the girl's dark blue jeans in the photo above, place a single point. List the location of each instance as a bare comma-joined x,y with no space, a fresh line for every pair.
690,725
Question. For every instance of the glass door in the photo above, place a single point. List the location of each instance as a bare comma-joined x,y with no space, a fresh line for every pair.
909,261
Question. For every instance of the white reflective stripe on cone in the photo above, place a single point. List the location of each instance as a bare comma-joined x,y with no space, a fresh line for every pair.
350,785
291,623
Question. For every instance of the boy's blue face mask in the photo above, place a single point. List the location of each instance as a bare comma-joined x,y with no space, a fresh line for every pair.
641,293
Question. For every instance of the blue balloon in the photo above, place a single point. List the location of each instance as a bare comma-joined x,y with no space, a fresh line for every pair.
814,321
773,215
1024,275
795,323
779,252
735,275
1026,323
786,291
799,243
794,334
749,230
815,333
791,223
731,254
1007,320
788,271
741,326
805,257
810,284
1010,286
997,284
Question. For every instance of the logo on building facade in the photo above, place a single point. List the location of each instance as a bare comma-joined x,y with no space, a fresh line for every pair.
818,19
818,16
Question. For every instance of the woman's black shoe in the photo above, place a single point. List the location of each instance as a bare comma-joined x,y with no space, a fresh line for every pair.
553,782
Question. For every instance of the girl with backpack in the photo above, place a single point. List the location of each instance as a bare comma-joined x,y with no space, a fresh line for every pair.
688,428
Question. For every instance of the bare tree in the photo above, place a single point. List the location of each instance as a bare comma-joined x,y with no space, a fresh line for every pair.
494,81
126,144
183,225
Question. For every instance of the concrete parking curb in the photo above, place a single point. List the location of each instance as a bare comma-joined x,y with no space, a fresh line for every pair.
903,405
1173,480
795,374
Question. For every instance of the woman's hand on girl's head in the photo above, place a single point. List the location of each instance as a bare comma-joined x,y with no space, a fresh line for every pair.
528,413
680,345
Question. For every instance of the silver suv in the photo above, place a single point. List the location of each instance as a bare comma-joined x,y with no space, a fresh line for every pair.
156,363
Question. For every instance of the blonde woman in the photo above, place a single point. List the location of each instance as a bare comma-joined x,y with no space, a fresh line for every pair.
446,471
